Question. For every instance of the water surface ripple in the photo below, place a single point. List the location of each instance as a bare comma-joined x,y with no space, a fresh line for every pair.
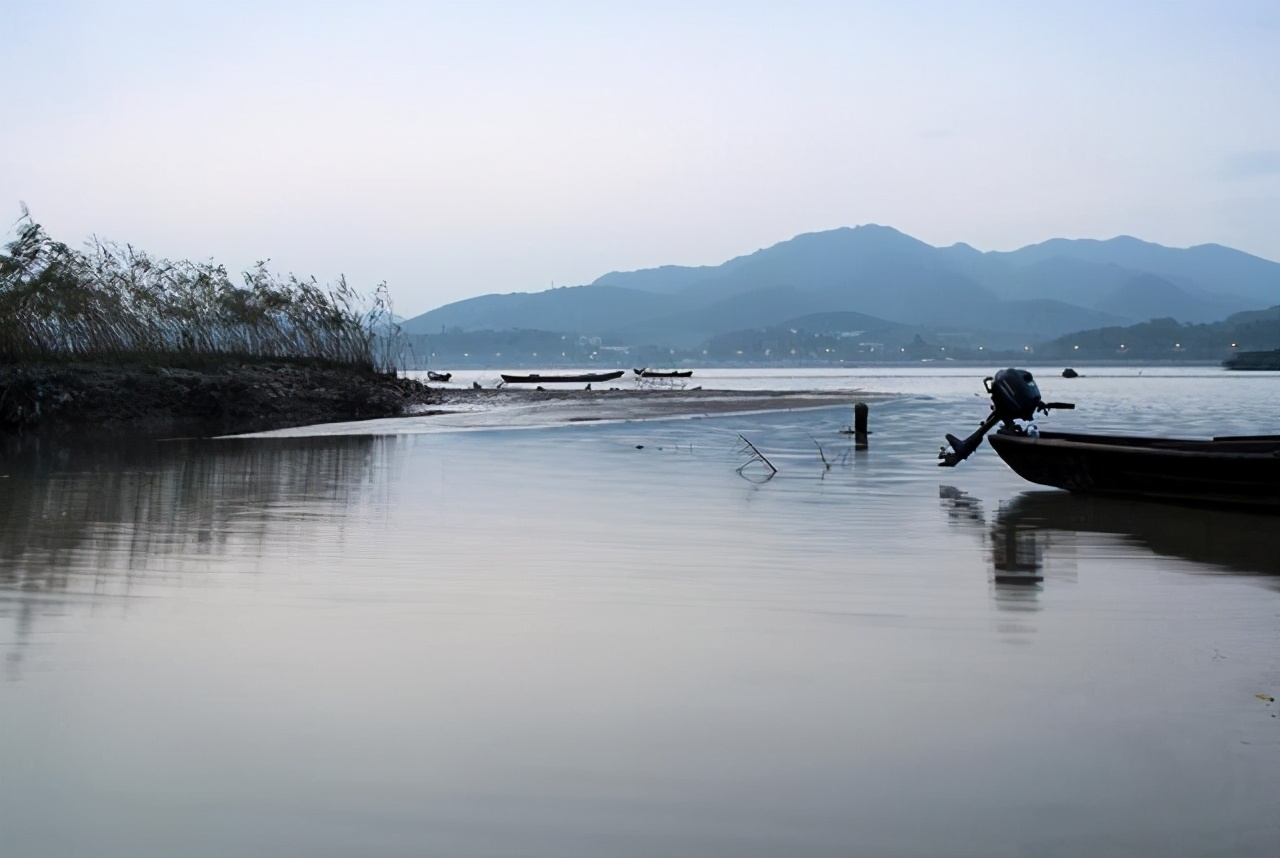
603,639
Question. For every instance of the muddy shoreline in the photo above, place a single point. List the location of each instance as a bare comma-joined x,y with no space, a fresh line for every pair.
197,401
508,408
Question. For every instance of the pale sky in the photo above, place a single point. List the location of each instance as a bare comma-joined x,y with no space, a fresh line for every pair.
457,149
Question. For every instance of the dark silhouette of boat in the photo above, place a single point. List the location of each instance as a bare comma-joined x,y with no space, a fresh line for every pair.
535,378
1234,471
1242,470
438,376
645,372
1254,360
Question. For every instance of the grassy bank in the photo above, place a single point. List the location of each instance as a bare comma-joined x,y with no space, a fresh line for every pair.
110,336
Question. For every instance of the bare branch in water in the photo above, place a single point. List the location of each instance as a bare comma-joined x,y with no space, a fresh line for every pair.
825,463
756,456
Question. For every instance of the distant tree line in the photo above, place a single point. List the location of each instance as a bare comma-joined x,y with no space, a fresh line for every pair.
114,302
1168,339
1158,339
510,348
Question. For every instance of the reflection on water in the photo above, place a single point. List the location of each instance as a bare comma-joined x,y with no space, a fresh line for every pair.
85,520
1235,541
1229,540
601,640
1015,555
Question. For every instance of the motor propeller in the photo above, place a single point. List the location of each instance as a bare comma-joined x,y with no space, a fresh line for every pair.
1014,396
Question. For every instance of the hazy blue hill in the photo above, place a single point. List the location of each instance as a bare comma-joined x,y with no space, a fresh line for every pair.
1149,296
1041,291
1061,278
1168,339
846,322
1207,267
881,272
868,269
570,309
667,279
1104,278
690,328
872,259
839,260
1039,318
1271,314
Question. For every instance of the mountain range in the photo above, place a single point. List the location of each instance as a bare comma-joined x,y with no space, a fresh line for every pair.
999,298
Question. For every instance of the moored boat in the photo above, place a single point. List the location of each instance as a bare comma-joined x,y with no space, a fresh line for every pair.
645,372
1234,471
438,376
1254,360
1228,471
535,378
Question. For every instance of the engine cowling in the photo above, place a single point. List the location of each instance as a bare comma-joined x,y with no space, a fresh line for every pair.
1015,395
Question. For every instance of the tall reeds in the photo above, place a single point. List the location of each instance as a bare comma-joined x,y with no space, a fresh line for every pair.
114,302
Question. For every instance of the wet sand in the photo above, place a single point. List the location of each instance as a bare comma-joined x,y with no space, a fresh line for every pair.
509,408
621,404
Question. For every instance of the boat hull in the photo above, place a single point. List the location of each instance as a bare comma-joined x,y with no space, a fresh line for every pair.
562,379
658,373
1228,471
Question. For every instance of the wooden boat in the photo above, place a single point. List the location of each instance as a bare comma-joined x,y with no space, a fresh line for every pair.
645,372
1254,360
439,376
1233,471
535,378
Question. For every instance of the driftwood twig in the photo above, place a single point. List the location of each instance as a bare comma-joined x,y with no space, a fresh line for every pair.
756,456
823,455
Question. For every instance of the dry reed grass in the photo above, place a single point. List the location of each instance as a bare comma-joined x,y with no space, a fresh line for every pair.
114,302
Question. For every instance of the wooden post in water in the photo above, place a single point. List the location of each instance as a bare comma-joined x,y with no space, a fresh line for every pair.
860,431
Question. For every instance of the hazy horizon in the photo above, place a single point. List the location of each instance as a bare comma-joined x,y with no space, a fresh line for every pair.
455,150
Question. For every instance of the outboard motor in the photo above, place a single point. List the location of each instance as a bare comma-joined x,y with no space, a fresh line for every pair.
1014,396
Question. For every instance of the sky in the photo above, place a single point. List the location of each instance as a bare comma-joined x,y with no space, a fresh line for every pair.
453,149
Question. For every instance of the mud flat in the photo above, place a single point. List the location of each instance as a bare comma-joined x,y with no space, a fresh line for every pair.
225,399
505,408
640,404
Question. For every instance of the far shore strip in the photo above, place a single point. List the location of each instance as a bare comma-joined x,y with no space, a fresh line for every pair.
507,408
649,404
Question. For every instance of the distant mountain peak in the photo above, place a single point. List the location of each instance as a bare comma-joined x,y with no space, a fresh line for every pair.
1041,289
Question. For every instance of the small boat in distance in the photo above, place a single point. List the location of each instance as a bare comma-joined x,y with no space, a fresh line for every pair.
438,376
1242,470
535,378
1254,360
645,372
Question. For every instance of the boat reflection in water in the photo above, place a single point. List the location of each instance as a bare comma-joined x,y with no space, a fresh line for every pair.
1227,540
1039,525
1016,554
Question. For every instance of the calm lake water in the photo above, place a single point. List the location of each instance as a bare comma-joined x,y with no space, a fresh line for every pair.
498,637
